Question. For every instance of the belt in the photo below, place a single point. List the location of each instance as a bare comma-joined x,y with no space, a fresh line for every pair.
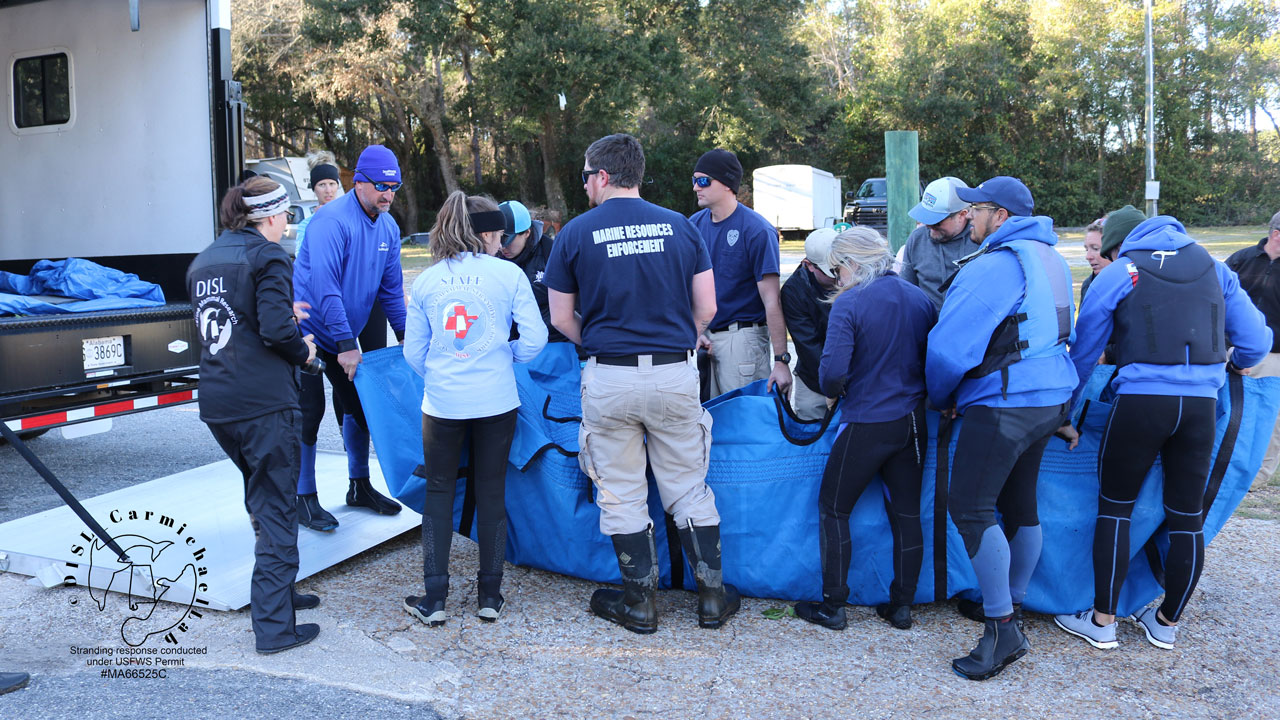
738,326
634,360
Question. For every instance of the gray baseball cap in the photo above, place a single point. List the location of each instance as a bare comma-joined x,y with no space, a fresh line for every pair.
939,201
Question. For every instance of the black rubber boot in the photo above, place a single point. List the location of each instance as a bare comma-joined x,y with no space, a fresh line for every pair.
898,616
314,517
634,607
826,613
429,608
362,494
1002,642
717,600
489,598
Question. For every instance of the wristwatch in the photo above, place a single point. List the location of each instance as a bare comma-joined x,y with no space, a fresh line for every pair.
784,358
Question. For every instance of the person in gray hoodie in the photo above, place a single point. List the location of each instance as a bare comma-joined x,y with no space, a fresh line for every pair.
943,237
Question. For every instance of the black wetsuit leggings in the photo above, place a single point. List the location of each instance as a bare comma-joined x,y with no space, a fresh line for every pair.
345,399
1180,430
894,449
442,441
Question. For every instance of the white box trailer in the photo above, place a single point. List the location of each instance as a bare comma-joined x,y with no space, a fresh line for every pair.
123,130
797,198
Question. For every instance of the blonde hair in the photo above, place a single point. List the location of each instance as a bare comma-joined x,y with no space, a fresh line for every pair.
320,157
452,234
864,252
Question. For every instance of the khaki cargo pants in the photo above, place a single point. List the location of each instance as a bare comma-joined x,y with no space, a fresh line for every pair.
653,410
739,357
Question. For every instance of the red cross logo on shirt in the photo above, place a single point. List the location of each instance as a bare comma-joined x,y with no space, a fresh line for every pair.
458,321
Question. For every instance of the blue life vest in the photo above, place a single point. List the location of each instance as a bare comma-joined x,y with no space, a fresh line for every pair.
1041,326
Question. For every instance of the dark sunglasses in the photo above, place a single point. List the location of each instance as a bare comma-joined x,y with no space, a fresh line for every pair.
702,182
385,186
588,173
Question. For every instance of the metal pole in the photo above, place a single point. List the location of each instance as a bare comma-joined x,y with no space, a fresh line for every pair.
902,174
1152,193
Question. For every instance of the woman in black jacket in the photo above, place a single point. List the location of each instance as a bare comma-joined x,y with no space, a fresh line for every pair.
242,290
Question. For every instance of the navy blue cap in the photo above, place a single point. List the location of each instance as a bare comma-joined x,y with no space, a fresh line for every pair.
1007,192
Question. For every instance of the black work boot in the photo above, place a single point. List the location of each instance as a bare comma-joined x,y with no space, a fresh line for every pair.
429,608
828,613
716,599
489,598
634,607
314,517
1002,642
362,494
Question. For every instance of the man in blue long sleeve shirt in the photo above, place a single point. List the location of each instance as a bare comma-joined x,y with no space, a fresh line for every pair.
998,356
350,261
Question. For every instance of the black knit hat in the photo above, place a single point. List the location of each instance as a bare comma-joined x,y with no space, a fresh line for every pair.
721,165
325,171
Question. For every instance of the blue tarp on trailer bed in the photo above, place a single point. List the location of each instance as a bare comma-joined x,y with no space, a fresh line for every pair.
766,486
89,285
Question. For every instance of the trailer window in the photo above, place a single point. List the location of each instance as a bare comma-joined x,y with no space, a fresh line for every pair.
41,91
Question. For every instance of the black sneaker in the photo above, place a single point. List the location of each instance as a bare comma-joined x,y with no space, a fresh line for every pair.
432,615
820,613
898,616
304,633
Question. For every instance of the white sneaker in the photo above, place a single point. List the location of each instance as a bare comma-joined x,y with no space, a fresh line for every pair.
1082,626
1162,636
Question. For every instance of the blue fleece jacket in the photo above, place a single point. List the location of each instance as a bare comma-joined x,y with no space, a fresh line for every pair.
348,262
1246,327
988,289
460,315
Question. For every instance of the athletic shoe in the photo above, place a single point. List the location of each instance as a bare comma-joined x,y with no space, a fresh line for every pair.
303,634
1081,625
1160,635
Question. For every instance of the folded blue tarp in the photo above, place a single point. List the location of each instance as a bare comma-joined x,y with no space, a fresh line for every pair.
766,487
93,286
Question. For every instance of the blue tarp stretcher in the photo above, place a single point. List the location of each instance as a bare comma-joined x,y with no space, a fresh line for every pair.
89,286
765,470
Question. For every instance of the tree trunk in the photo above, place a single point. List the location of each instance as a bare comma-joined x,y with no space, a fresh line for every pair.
475,129
1102,157
433,116
551,176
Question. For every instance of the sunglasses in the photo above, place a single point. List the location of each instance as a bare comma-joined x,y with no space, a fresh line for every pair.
702,182
588,173
385,186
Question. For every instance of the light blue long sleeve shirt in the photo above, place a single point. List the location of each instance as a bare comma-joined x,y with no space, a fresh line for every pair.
456,335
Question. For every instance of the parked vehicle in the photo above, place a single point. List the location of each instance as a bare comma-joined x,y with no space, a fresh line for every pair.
796,199
295,176
126,125
868,205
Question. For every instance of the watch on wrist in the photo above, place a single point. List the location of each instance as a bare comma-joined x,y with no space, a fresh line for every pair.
784,358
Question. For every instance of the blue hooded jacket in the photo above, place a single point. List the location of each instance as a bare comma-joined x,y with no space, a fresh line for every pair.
986,290
1246,327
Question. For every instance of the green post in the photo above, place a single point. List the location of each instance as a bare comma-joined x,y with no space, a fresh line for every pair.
902,172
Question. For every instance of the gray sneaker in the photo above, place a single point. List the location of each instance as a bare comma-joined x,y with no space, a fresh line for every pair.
1162,636
1082,626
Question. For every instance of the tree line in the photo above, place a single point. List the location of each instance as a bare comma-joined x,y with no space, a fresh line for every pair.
503,97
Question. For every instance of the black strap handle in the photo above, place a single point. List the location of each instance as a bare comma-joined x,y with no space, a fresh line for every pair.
941,489
782,406
547,404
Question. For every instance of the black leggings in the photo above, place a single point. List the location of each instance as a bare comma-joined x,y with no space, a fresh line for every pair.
442,445
1180,430
895,449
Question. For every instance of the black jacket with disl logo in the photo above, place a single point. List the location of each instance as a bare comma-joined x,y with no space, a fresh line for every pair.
242,289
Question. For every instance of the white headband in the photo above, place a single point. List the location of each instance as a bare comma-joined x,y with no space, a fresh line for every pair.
264,206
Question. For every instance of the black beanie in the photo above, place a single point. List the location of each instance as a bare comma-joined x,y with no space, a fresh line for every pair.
721,165
325,171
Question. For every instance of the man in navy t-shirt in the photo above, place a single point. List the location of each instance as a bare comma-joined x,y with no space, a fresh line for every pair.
744,250
642,279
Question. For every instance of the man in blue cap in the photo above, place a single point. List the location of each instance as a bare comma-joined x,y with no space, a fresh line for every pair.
998,356
350,261
524,244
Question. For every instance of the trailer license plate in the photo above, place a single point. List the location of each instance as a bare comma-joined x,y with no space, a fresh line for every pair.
103,352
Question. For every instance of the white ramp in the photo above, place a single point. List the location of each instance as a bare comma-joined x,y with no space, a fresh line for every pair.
188,537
